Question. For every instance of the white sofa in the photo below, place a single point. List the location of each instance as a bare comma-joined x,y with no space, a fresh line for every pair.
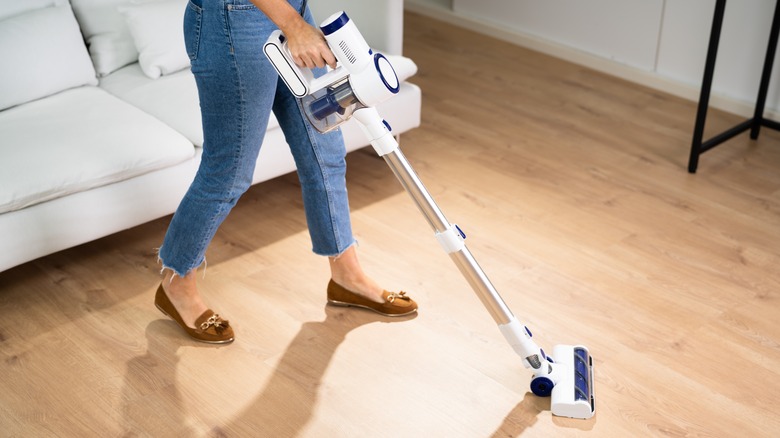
90,144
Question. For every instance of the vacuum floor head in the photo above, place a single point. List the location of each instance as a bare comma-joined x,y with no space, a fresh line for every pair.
572,395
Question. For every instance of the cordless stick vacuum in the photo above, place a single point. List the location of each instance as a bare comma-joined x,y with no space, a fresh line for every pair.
363,79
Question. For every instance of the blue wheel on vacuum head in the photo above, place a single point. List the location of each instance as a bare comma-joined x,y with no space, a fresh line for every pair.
542,386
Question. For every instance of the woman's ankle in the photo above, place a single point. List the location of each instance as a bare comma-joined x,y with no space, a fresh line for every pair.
346,271
183,294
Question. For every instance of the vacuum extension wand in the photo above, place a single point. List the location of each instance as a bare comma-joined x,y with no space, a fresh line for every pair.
450,236
362,80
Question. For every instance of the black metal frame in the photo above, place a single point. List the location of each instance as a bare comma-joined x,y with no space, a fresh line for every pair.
754,125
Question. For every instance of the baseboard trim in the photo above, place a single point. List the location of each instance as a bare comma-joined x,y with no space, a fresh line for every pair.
603,65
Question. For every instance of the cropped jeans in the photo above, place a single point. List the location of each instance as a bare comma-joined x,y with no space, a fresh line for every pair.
238,88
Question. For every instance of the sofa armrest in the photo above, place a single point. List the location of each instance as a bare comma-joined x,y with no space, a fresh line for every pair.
380,21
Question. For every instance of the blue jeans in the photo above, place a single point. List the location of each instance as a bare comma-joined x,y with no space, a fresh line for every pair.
238,88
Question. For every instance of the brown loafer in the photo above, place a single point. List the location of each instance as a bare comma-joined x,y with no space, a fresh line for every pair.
209,327
395,304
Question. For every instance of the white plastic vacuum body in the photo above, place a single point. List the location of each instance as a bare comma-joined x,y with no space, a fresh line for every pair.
363,79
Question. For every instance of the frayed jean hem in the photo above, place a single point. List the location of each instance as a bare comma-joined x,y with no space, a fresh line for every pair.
176,272
337,254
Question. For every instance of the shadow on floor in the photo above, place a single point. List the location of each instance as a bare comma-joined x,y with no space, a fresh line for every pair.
153,404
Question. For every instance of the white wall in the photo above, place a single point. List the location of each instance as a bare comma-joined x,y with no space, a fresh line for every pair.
684,37
584,25
660,43
378,32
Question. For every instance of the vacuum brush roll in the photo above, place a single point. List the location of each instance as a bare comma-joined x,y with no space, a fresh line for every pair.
573,395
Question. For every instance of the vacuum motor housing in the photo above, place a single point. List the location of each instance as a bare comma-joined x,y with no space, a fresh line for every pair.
362,78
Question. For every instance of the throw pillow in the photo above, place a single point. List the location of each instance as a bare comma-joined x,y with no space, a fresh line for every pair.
10,8
157,30
43,53
108,38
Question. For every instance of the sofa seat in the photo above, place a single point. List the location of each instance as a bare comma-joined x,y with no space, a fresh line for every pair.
51,148
173,99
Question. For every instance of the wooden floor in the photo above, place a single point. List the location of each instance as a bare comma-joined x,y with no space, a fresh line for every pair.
573,190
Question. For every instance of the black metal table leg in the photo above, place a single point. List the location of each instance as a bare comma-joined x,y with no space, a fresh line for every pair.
706,85
698,146
758,116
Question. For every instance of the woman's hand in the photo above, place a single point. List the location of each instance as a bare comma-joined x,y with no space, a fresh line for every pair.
306,43
307,46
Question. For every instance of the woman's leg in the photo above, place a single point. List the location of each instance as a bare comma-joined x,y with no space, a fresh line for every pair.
236,87
320,159
321,164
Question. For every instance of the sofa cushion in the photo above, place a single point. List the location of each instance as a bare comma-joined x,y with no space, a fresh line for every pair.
10,8
43,53
157,32
171,98
108,38
76,140
403,66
